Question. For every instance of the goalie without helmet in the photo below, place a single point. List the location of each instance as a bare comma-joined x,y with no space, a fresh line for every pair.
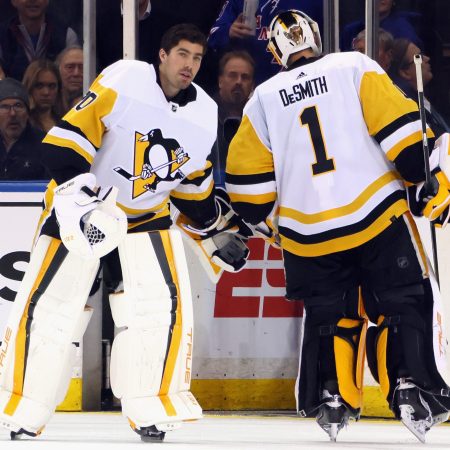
147,130
351,249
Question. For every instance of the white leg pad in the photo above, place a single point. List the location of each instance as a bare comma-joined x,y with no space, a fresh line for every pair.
151,359
37,351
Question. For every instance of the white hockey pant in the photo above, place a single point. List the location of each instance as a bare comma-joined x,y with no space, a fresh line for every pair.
37,352
151,357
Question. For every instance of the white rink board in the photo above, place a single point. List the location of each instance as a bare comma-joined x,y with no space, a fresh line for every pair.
245,329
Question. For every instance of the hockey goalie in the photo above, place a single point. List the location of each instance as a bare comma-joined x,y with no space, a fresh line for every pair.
148,131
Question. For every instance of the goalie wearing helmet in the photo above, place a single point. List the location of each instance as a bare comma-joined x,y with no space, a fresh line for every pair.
330,144
148,131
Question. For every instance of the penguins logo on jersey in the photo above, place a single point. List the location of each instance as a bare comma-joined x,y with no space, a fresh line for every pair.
156,159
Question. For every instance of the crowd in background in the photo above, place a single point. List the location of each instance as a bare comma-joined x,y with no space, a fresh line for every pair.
41,49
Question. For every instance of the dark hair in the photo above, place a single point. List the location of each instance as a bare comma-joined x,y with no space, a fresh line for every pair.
183,31
399,50
241,54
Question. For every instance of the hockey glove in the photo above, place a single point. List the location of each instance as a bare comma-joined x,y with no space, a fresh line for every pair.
223,242
267,231
90,223
431,201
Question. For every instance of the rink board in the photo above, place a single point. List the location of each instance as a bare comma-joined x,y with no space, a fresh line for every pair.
246,333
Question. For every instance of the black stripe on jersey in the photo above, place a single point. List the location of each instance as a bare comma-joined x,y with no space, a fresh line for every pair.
54,265
410,163
396,124
163,223
250,179
158,246
69,127
253,213
201,212
198,180
346,230
63,163
147,216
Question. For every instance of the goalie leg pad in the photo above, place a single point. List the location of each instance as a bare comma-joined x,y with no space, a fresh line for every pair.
332,351
37,351
408,341
151,357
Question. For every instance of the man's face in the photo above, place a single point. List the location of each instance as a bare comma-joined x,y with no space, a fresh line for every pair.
71,71
31,9
236,82
12,120
179,67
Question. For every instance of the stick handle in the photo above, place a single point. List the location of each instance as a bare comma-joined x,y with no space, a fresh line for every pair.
423,121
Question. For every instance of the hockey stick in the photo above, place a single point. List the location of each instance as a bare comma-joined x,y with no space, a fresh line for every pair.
426,153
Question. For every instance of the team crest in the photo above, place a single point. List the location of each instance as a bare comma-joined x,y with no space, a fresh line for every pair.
156,159
295,34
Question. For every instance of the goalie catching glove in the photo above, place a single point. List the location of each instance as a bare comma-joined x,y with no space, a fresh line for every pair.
90,223
432,200
223,242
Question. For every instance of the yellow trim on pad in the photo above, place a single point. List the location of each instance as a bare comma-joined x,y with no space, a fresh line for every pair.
73,399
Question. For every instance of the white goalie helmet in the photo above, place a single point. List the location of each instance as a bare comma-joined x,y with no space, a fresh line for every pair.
290,32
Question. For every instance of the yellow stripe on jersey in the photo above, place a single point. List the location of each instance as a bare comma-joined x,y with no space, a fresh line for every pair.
247,155
159,215
374,89
131,211
88,118
199,173
68,143
334,213
347,242
21,338
193,195
256,199
175,342
406,142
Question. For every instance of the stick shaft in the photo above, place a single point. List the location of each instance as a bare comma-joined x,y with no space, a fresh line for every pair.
426,153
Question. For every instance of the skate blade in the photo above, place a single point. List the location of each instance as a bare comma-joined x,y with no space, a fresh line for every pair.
417,427
332,429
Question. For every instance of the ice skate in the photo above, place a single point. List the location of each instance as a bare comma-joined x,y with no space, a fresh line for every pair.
333,415
415,411
150,434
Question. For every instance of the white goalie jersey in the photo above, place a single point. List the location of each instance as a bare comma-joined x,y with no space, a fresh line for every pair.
131,136
321,143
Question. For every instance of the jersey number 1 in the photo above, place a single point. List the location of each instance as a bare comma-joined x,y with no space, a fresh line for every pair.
310,118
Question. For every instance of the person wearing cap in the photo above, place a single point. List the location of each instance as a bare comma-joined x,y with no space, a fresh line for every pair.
20,143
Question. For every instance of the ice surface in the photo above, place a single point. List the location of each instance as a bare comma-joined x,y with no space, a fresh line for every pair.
102,431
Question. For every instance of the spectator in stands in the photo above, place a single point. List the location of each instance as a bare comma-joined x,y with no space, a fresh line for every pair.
403,73
41,80
70,65
20,143
235,82
398,23
385,43
229,32
31,35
